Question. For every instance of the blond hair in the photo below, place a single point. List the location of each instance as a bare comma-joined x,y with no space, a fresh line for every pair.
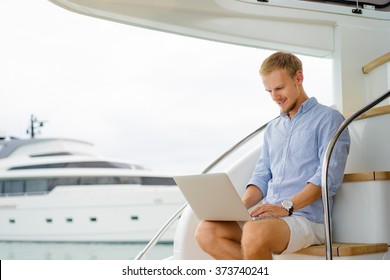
281,60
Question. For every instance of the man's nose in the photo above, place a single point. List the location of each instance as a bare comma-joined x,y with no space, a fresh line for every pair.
275,95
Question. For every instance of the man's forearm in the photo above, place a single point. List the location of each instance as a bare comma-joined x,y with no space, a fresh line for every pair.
309,194
252,196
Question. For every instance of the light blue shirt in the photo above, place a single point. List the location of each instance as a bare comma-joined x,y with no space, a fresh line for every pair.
293,153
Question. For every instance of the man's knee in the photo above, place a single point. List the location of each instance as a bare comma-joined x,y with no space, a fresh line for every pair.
209,233
255,235
257,241
268,236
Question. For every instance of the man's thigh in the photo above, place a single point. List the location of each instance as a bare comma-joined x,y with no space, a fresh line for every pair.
221,229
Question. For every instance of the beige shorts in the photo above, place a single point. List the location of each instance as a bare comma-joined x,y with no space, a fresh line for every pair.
304,233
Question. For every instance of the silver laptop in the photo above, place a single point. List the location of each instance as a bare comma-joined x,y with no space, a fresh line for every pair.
213,197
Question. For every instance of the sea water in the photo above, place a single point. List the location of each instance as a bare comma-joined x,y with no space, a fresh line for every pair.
80,251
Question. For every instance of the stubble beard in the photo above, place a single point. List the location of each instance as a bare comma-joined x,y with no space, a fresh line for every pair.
289,109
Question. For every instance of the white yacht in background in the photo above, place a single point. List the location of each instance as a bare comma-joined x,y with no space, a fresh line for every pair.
356,36
62,190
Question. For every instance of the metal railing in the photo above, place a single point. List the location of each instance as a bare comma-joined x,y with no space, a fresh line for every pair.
325,167
143,254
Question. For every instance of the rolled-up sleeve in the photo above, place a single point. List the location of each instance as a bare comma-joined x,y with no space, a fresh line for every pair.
261,175
339,154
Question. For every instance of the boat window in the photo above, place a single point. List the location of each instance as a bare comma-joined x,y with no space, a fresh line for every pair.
86,164
98,164
53,154
123,180
99,180
130,180
39,166
66,181
158,181
110,180
13,187
37,186
43,185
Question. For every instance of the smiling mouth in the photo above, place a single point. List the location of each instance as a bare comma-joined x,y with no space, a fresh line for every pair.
281,102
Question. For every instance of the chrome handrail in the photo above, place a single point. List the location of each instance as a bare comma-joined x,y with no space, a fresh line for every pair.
233,148
142,255
325,166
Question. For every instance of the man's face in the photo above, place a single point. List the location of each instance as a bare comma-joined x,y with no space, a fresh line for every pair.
284,90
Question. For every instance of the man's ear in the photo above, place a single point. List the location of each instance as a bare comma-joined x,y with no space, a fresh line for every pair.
299,77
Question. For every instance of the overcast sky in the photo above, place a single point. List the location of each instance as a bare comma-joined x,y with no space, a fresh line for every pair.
167,102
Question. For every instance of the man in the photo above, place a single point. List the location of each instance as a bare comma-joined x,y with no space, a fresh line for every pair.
285,186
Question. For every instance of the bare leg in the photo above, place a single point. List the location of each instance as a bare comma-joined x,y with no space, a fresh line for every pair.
221,240
262,238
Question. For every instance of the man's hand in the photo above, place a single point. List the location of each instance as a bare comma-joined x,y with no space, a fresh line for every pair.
268,210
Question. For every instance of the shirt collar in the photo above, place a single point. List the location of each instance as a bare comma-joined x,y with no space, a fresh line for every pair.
308,104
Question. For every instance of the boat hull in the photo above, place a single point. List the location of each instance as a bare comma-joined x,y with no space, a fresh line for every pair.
89,214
